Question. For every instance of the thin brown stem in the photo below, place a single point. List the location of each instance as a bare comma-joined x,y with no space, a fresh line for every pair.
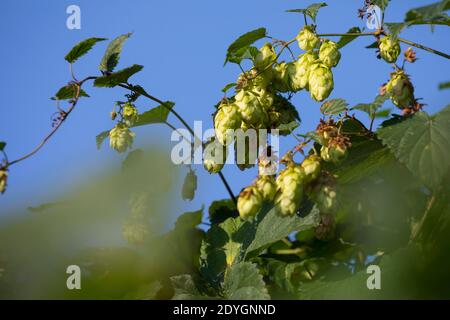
417,45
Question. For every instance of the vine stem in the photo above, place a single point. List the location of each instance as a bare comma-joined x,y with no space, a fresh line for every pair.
356,34
417,45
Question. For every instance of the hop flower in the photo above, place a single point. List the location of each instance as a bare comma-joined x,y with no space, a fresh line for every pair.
121,138
400,90
320,81
311,166
327,131
329,54
299,76
249,202
252,109
267,187
3,180
325,196
253,80
307,39
389,49
265,57
228,117
290,190
134,232
129,113
214,157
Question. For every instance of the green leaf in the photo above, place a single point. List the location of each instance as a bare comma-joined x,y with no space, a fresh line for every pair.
288,127
311,11
244,282
189,220
100,138
2,145
272,227
347,39
372,108
429,14
221,210
381,3
333,107
112,53
396,28
185,288
158,114
116,78
81,49
444,85
373,45
422,143
240,46
385,113
228,87
69,92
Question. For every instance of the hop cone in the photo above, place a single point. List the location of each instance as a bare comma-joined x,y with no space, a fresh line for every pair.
299,76
321,81
267,187
307,39
121,138
249,202
311,167
265,57
329,54
281,77
282,113
325,196
400,90
252,109
290,190
214,157
334,153
254,80
228,117
389,49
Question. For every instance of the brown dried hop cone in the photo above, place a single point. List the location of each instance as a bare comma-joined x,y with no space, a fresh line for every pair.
249,202
228,117
290,189
326,131
400,90
389,49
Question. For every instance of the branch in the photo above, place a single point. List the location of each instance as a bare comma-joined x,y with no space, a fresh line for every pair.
417,45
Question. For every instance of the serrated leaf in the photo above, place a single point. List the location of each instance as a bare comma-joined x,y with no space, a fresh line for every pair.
272,227
185,288
69,92
344,40
81,49
288,127
241,45
2,145
429,14
422,143
385,113
220,210
244,282
333,107
372,108
100,138
311,11
158,114
444,85
116,78
112,53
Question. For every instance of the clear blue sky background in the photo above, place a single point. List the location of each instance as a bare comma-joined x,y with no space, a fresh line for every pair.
182,45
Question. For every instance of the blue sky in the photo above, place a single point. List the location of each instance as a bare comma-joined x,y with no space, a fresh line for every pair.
182,45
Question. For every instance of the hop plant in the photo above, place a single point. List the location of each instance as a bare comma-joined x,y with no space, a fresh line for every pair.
189,186
299,76
307,38
400,90
265,57
266,185
214,156
326,228
281,76
254,80
246,153
249,202
121,138
282,113
253,112
320,81
311,166
389,49
290,189
228,117
329,54
3,180
325,196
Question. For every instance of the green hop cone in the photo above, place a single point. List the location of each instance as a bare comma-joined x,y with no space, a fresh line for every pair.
320,81
3,180
329,54
311,166
325,196
290,190
389,49
252,109
249,202
189,186
228,117
299,76
253,80
214,156
281,77
334,153
400,90
265,57
134,232
129,113
267,187
121,138
307,39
